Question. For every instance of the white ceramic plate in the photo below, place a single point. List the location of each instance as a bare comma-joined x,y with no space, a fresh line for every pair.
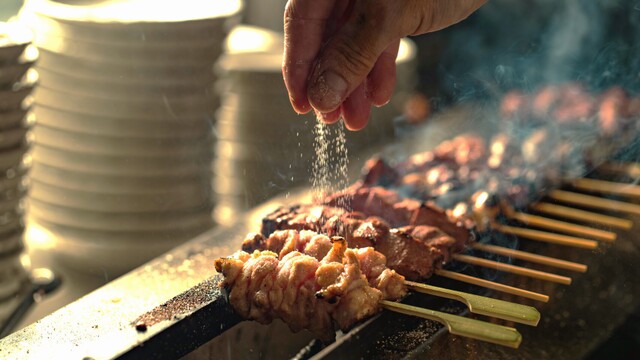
131,127
14,100
120,165
16,118
192,16
130,55
81,31
105,221
112,252
102,88
11,243
165,75
109,184
198,107
10,138
14,38
122,146
187,199
12,158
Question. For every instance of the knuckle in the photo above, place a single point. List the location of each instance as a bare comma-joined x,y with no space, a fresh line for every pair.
355,57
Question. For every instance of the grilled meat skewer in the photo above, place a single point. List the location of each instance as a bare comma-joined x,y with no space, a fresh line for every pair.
307,292
414,251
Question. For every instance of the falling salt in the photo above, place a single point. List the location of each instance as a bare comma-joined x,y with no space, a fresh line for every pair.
329,172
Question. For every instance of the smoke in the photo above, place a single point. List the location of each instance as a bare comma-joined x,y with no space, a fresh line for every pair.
524,44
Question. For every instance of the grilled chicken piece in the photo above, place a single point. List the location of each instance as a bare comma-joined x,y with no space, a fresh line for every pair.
307,293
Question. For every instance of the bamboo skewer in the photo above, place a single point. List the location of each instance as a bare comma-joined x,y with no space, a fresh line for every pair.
483,305
534,258
582,215
607,187
565,227
594,202
627,168
462,326
548,237
492,285
542,275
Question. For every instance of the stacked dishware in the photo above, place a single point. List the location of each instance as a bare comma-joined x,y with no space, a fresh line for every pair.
263,148
17,80
123,144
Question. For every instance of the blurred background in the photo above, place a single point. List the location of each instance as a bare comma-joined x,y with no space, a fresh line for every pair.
147,123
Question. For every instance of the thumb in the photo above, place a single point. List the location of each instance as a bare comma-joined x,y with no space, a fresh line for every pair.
347,57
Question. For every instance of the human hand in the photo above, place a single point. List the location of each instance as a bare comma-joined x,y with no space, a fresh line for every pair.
339,56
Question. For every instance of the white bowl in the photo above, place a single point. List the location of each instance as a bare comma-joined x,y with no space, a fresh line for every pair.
15,204
197,107
122,146
129,18
112,252
10,138
14,38
112,184
108,89
11,243
165,75
11,224
120,165
14,100
12,158
197,36
131,221
14,178
130,55
185,200
131,127
16,118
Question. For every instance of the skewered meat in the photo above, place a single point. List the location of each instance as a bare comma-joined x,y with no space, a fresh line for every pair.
373,262
570,105
413,251
307,293
391,207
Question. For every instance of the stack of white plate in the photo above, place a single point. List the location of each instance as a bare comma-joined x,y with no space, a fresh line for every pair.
16,83
263,147
123,143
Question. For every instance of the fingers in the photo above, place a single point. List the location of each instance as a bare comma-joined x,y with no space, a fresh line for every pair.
356,109
348,56
304,28
438,14
331,117
382,78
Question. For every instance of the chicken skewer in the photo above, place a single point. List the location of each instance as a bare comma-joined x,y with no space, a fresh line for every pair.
313,294
414,251
311,243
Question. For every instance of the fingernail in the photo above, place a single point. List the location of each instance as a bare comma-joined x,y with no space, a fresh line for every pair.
299,107
328,91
